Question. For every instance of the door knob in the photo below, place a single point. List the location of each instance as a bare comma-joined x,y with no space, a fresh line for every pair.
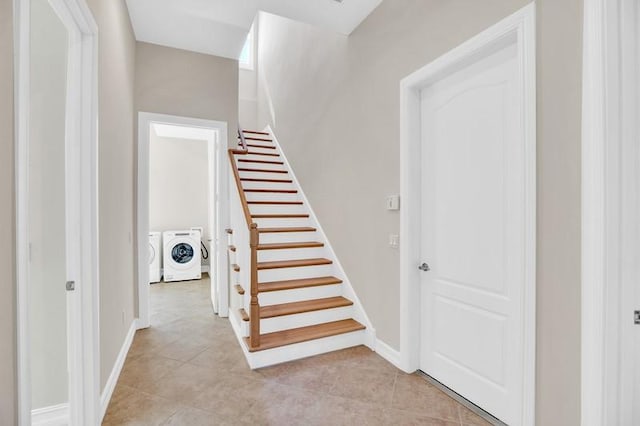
424,267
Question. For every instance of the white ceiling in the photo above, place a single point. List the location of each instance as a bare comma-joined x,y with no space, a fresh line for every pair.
220,27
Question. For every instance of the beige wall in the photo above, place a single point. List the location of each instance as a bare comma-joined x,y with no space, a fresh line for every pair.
8,412
178,82
334,105
116,147
559,215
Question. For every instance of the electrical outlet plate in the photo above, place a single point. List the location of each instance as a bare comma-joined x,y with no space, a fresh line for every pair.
393,202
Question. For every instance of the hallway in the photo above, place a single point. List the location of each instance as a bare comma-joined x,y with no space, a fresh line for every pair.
188,369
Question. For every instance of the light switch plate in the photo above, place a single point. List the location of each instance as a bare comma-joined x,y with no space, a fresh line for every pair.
393,202
394,240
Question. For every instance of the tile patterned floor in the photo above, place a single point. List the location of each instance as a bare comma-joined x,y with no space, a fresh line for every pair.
188,370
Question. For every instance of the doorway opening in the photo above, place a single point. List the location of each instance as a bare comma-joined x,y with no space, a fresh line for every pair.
468,237
56,217
182,208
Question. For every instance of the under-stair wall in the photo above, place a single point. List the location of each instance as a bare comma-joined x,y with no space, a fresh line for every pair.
307,305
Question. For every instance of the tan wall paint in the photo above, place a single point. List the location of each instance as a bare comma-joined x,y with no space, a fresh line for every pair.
116,179
8,402
178,82
559,213
334,105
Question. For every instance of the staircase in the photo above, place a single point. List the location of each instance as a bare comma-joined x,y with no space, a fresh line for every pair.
290,298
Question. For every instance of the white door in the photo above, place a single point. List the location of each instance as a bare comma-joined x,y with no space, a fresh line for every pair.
473,233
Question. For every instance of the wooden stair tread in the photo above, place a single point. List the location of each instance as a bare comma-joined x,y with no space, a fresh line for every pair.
304,334
255,132
260,146
280,246
279,216
232,248
245,160
244,315
294,284
271,311
290,229
276,202
249,169
236,267
251,138
277,191
268,154
266,180
239,289
277,264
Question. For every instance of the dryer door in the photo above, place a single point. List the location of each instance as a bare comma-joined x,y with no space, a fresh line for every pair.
182,253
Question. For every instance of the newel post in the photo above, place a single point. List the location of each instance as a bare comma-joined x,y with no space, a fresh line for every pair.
254,334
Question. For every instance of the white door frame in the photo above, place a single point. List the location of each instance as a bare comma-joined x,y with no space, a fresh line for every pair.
145,119
82,207
521,26
610,196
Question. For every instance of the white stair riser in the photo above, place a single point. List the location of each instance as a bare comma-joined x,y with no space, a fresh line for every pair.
277,209
282,222
269,325
263,175
262,149
306,349
262,157
266,275
287,237
267,185
297,295
291,254
268,196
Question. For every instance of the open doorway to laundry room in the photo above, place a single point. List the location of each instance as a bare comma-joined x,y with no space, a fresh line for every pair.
182,217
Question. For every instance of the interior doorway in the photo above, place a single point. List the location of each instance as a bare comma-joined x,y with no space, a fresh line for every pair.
182,206
468,164
57,282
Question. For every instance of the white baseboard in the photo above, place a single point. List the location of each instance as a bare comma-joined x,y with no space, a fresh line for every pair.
55,415
388,353
110,386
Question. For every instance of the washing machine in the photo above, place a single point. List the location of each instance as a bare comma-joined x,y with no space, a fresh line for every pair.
155,257
182,257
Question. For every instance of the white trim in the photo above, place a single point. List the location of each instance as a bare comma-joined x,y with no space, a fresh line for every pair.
360,314
110,386
82,211
219,282
522,25
388,353
55,415
610,190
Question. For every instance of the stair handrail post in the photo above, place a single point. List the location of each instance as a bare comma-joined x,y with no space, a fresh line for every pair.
254,315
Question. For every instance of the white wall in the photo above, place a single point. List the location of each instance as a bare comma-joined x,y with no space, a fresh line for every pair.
179,185
47,271
248,87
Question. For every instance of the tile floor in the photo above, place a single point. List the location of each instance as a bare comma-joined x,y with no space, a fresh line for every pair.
187,369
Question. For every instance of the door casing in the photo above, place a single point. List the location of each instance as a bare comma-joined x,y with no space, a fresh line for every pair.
82,204
520,25
219,282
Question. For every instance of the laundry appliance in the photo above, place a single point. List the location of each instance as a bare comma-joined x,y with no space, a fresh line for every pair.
155,257
182,257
